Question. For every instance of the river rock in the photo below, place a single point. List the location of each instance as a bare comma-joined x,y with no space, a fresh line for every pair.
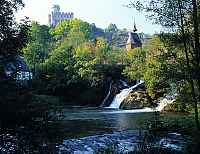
136,100
10,144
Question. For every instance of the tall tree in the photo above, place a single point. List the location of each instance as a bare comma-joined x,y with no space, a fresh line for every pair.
184,40
69,27
173,15
12,36
39,45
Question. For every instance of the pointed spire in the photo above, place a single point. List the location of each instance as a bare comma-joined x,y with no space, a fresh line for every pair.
135,28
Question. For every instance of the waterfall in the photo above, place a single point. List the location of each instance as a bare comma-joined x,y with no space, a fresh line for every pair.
104,101
122,95
169,99
124,83
118,99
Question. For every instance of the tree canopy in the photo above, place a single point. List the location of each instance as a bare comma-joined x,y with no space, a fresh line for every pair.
13,36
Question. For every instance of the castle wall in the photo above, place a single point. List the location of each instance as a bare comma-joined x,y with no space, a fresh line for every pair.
56,16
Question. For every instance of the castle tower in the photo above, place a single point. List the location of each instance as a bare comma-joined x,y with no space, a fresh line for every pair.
133,39
56,16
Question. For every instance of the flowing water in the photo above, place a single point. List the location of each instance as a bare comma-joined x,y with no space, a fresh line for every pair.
83,127
122,95
92,127
125,92
80,122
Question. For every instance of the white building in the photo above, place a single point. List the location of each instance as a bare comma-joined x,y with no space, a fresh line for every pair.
56,16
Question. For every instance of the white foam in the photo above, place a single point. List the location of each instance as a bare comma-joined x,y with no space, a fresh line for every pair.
122,95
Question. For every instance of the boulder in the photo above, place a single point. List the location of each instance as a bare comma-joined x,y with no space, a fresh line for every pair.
136,100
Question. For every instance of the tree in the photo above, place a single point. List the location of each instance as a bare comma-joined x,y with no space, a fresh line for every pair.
112,28
86,61
39,46
69,27
13,36
144,64
102,49
174,15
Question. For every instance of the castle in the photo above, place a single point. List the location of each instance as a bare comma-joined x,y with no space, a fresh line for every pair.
56,16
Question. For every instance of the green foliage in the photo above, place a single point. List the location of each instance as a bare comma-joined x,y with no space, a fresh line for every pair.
13,36
85,61
177,107
65,55
69,27
164,13
181,18
145,64
160,64
184,102
39,45
116,56
105,54
134,59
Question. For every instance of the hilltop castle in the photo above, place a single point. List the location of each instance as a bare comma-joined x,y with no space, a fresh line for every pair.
56,16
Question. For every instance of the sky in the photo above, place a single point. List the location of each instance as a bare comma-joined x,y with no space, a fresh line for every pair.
100,12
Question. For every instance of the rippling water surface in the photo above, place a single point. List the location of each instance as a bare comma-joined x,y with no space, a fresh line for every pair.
79,122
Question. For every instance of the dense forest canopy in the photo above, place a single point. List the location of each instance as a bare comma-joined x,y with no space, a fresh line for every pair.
70,52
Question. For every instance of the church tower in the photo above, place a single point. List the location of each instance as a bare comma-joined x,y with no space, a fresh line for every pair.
133,39
130,42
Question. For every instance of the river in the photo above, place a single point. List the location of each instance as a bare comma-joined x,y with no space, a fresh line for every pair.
78,122
80,127
81,122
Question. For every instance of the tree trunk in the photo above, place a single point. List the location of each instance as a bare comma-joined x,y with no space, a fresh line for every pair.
196,39
196,31
188,66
